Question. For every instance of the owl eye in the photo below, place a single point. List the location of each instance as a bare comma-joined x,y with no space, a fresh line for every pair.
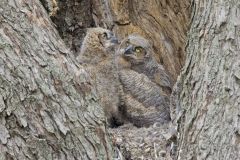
105,35
138,49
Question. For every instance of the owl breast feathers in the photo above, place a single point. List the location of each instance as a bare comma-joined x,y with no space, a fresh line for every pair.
130,84
97,57
145,84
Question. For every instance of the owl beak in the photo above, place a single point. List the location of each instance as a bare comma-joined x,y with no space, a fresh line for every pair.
111,42
114,40
128,50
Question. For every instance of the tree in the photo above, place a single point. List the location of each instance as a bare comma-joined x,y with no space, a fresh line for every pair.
208,90
48,107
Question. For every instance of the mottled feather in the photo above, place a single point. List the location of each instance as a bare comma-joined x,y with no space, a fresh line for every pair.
146,86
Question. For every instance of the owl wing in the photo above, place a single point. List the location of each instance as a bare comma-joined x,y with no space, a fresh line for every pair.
136,113
163,79
144,100
106,85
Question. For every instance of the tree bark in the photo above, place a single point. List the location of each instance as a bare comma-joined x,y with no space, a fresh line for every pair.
48,107
209,85
71,20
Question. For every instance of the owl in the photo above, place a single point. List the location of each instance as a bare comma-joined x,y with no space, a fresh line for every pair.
145,84
97,56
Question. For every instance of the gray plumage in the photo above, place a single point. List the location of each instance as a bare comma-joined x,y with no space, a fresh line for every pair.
146,85
97,56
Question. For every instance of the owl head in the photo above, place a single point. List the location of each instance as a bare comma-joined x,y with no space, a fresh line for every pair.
135,50
99,38
97,45
105,37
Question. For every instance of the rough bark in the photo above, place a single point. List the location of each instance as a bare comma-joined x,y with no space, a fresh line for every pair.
48,107
209,93
71,18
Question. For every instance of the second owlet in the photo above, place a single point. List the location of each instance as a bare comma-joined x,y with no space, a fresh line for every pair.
97,55
146,85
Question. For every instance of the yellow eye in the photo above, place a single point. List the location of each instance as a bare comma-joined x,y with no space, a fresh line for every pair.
138,49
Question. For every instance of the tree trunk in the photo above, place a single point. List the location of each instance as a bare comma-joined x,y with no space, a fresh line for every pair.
209,93
48,107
